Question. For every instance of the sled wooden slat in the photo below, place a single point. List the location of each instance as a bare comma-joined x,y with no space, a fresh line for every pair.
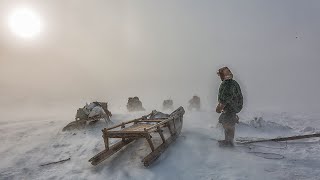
162,123
119,125
137,127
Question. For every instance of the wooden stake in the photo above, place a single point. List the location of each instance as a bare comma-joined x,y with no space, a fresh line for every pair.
284,138
56,162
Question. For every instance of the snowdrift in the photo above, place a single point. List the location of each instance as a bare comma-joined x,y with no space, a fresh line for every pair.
28,143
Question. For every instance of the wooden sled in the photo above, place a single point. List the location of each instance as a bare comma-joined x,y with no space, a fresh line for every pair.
81,118
142,128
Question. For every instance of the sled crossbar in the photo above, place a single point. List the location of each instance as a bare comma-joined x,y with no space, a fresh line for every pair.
140,120
141,128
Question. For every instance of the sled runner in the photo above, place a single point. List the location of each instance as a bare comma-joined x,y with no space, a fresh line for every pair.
153,123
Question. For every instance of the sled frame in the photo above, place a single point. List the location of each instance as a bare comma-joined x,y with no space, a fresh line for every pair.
141,128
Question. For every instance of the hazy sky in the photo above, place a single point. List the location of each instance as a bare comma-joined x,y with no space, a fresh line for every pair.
109,50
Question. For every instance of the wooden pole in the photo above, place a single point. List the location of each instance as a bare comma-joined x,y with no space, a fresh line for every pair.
284,138
55,162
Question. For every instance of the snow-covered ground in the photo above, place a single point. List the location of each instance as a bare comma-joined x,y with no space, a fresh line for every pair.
27,141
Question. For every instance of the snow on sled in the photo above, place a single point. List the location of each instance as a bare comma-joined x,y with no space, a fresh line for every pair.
90,113
153,123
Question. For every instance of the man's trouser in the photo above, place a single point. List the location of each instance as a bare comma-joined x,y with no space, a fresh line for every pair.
229,129
228,121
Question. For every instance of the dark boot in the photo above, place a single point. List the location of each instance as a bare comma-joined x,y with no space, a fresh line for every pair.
225,143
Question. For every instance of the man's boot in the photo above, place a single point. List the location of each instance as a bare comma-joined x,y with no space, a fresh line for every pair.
225,143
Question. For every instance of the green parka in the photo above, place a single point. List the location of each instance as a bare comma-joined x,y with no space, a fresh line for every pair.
230,95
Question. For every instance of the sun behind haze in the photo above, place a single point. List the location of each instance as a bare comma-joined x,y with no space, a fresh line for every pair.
24,22
78,51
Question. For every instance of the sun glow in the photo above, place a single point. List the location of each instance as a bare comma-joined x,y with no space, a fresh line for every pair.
25,23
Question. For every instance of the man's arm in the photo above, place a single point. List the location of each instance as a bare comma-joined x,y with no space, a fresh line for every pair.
225,97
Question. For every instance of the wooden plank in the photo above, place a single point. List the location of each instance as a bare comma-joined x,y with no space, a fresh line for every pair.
127,134
137,127
142,119
159,124
107,153
284,138
121,124
153,120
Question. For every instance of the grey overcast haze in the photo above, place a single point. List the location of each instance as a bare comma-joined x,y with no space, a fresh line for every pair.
110,50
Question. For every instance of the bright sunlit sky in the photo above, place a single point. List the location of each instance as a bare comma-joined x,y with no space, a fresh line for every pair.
78,50
24,22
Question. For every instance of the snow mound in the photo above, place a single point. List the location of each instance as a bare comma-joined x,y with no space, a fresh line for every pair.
309,129
96,111
260,123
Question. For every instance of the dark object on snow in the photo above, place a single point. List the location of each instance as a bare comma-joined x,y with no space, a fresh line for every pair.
167,105
283,138
168,127
224,143
64,160
194,103
90,113
134,104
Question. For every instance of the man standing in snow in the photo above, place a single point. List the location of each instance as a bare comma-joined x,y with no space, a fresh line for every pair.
230,103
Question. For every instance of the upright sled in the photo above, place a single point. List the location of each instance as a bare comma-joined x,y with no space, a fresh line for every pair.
155,122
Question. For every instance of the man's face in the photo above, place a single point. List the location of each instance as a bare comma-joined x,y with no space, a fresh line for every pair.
223,72
226,72
221,76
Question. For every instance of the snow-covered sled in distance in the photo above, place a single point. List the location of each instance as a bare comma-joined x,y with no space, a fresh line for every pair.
90,113
134,104
194,103
153,123
167,104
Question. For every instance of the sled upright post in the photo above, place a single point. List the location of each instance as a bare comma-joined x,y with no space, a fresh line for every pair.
142,128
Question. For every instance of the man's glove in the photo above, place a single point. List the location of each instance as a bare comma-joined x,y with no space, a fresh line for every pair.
219,108
237,119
